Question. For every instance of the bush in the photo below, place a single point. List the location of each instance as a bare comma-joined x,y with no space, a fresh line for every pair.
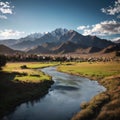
23,67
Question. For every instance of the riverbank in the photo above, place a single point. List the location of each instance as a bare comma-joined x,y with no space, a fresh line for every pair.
21,82
106,105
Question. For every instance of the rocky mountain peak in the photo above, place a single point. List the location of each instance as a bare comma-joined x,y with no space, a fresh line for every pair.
59,32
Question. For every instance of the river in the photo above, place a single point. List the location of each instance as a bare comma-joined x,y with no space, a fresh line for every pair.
62,101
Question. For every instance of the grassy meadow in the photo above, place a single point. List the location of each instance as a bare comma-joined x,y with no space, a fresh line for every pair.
20,82
94,70
28,74
106,105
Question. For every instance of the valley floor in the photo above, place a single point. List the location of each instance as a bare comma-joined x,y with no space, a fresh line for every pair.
21,82
106,105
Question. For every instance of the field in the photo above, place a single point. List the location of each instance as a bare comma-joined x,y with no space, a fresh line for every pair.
94,70
106,105
29,73
21,82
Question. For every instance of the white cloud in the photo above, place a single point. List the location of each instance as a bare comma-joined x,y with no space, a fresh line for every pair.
115,39
103,29
82,27
9,33
112,10
3,17
5,8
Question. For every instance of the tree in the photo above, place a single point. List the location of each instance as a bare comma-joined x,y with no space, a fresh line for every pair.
2,60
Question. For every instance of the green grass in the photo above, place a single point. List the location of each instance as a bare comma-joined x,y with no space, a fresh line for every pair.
97,70
10,67
30,74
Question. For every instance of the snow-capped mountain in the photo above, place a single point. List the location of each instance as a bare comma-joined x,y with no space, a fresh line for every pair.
56,33
59,32
34,36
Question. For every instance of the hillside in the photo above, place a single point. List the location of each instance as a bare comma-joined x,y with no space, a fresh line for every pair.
6,50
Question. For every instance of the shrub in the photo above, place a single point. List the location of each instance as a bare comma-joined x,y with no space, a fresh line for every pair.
23,67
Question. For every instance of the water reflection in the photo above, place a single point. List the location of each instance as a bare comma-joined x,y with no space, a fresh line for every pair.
61,87
62,101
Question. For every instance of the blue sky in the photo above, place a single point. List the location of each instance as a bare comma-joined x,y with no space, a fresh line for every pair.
88,17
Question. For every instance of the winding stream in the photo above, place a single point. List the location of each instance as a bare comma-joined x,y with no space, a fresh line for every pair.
62,101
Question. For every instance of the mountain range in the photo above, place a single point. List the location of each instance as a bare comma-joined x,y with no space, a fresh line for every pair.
61,41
